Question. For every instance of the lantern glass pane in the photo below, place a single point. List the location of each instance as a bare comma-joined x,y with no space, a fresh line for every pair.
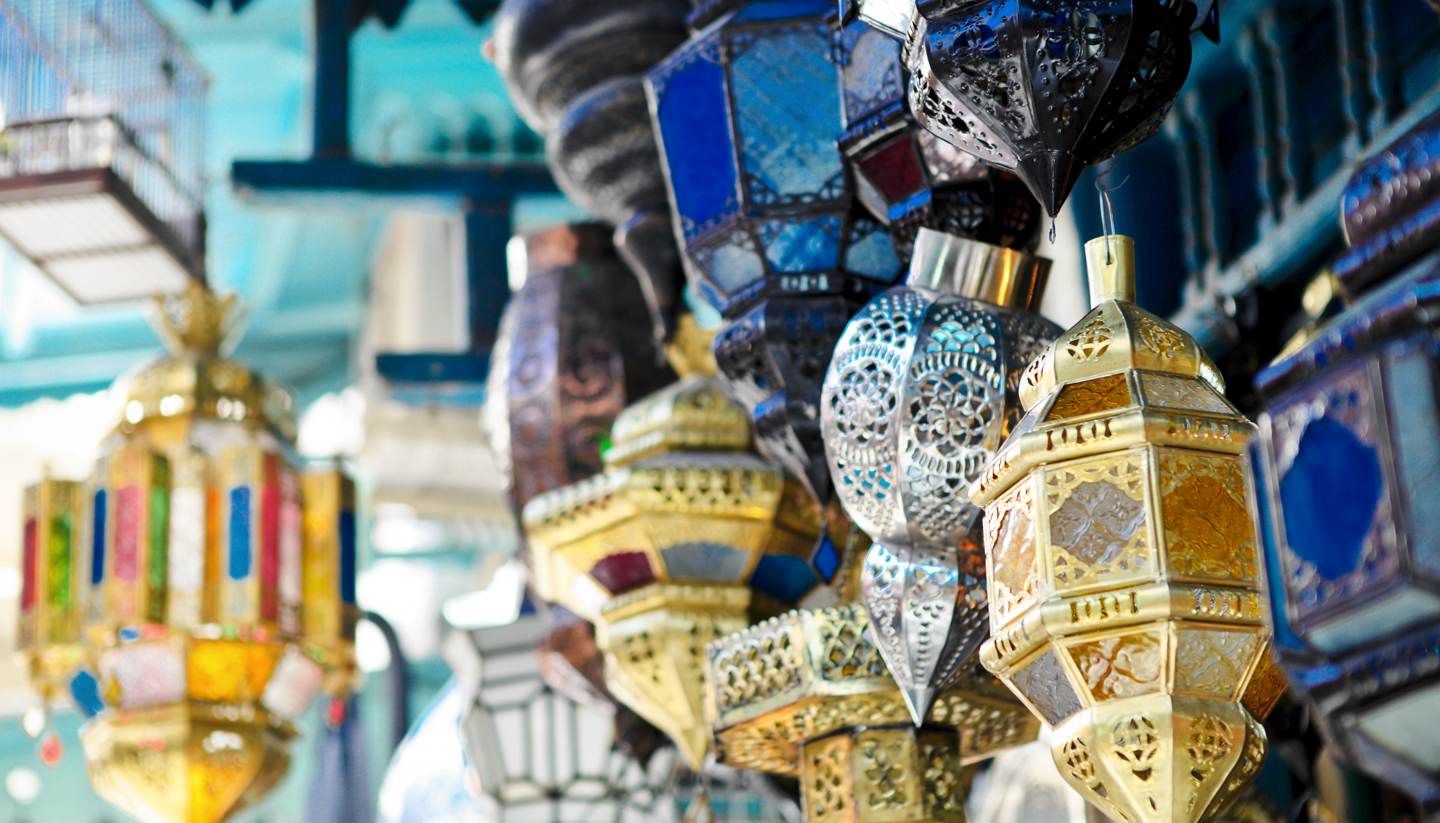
1212,663
1284,632
1417,435
871,252
1407,725
873,77
1359,626
1330,497
787,140
1207,525
1044,683
1181,393
732,264
797,245
690,110
1097,516
1123,665
704,561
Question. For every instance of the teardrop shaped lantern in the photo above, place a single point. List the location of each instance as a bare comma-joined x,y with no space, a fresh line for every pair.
920,393
185,567
1123,566
660,549
1047,87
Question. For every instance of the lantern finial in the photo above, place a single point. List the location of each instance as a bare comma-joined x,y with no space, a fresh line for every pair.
1110,265
196,319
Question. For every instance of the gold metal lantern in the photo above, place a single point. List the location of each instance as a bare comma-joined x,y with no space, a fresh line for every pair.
659,550
199,590
807,695
1124,576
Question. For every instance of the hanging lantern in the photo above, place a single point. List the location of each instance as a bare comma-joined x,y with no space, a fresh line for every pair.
1122,564
920,393
1345,469
54,584
747,112
1043,88
807,695
572,351
908,178
659,550
204,541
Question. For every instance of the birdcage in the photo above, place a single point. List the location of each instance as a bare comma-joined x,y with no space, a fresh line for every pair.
102,119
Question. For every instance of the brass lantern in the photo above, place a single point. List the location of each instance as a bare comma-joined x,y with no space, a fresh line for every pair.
1123,569
807,695
659,550
201,539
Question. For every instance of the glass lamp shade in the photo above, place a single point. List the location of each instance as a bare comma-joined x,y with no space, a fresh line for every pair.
1346,473
747,112
908,178
183,565
1042,88
807,695
1122,563
919,394
574,348
660,550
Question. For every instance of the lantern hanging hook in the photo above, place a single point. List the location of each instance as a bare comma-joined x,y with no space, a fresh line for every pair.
1107,208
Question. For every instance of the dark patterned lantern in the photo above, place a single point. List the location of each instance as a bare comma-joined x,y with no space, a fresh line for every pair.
1043,87
574,348
573,69
1347,468
920,392
908,178
747,112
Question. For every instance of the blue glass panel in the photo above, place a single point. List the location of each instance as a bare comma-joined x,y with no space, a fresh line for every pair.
97,539
797,245
704,561
871,77
239,566
86,692
826,559
871,252
732,264
759,11
1417,436
787,111
347,556
688,95
1329,496
1285,636
783,577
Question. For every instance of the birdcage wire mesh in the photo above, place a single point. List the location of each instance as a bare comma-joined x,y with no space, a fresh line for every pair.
103,84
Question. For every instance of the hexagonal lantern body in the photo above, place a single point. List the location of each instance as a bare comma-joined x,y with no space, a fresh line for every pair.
1043,88
920,392
905,176
747,112
807,695
1122,563
1346,473
659,550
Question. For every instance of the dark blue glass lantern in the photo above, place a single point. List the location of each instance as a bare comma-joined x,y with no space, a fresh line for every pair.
748,111
1347,469
908,178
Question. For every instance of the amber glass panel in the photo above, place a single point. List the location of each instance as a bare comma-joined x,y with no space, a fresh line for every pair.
1090,397
1212,663
1207,527
1121,665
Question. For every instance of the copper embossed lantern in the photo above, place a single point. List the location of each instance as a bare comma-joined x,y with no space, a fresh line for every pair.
201,541
747,112
659,549
1122,563
920,393
1043,87
1346,472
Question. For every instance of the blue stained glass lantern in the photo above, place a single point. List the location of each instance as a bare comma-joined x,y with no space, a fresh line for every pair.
748,111
1347,469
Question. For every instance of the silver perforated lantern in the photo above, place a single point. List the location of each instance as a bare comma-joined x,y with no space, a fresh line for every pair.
921,390
1044,87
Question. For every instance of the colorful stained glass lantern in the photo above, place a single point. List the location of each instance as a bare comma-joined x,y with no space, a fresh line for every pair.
1123,568
660,550
748,111
1347,468
807,695
905,176
1043,88
920,393
174,582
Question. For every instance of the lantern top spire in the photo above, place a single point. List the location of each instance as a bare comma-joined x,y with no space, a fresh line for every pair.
691,415
1116,335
